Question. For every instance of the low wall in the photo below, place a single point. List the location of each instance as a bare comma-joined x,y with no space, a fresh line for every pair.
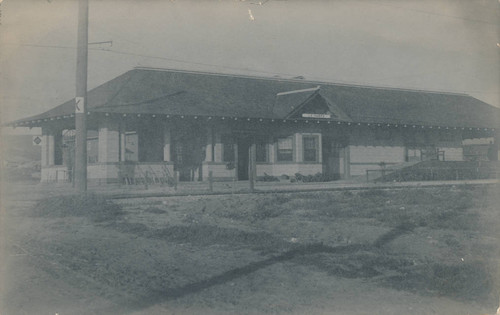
219,170
111,172
453,154
57,173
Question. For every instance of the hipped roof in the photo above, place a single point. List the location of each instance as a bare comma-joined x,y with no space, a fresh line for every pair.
174,92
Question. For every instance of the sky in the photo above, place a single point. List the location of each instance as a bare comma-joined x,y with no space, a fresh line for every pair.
439,45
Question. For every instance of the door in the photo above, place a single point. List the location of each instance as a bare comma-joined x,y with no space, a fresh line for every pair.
180,155
331,158
187,151
243,158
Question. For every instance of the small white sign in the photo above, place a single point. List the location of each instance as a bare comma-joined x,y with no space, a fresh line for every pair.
79,104
37,140
316,115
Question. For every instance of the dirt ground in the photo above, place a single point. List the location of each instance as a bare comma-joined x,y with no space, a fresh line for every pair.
406,251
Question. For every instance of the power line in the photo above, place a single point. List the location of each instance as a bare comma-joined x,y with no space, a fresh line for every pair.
279,73
194,62
251,70
42,46
56,46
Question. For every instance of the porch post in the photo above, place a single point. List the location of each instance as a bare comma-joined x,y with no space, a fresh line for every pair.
166,144
123,143
299,150
236,163
347,163
48,147
272,151
252,171
209,145
218,147
109,142
320,148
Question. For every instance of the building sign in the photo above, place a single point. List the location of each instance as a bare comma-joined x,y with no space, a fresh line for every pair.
37,140
79,104
316,115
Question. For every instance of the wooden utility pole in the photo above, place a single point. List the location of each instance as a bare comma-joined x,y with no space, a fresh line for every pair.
81,98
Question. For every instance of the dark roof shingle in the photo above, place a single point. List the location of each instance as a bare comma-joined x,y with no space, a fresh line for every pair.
154,91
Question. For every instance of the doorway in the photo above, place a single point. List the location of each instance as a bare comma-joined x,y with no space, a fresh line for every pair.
331,158
243,145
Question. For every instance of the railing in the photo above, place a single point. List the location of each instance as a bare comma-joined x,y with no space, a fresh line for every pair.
432,173
146,175
378,174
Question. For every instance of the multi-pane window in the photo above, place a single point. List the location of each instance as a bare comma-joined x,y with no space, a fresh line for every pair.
227,148
414,155
179,154
310,144
261,150
285,149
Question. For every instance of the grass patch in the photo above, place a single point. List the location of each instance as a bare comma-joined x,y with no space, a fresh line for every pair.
435,208
373,193
155,210
270,207
96,208
205,235
138,229
242,209
469,282
362,264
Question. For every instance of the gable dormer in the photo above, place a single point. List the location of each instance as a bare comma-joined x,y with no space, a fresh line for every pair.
315,107
307,104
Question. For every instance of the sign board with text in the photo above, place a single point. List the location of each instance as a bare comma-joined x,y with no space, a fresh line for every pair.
316,115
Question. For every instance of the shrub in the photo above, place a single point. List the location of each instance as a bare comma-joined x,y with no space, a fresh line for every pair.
268,178
316,178
95,207
299,177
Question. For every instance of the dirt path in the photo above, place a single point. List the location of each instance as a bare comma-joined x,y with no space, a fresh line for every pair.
403,252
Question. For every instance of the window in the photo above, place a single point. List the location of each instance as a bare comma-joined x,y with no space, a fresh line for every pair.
413,155
92,150
285,149
261,150
131,146
310,148
227,148
178,154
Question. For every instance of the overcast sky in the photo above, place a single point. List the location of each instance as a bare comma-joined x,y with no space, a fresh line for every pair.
432,45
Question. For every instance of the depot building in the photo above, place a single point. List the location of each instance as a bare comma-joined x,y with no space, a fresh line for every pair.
156,122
